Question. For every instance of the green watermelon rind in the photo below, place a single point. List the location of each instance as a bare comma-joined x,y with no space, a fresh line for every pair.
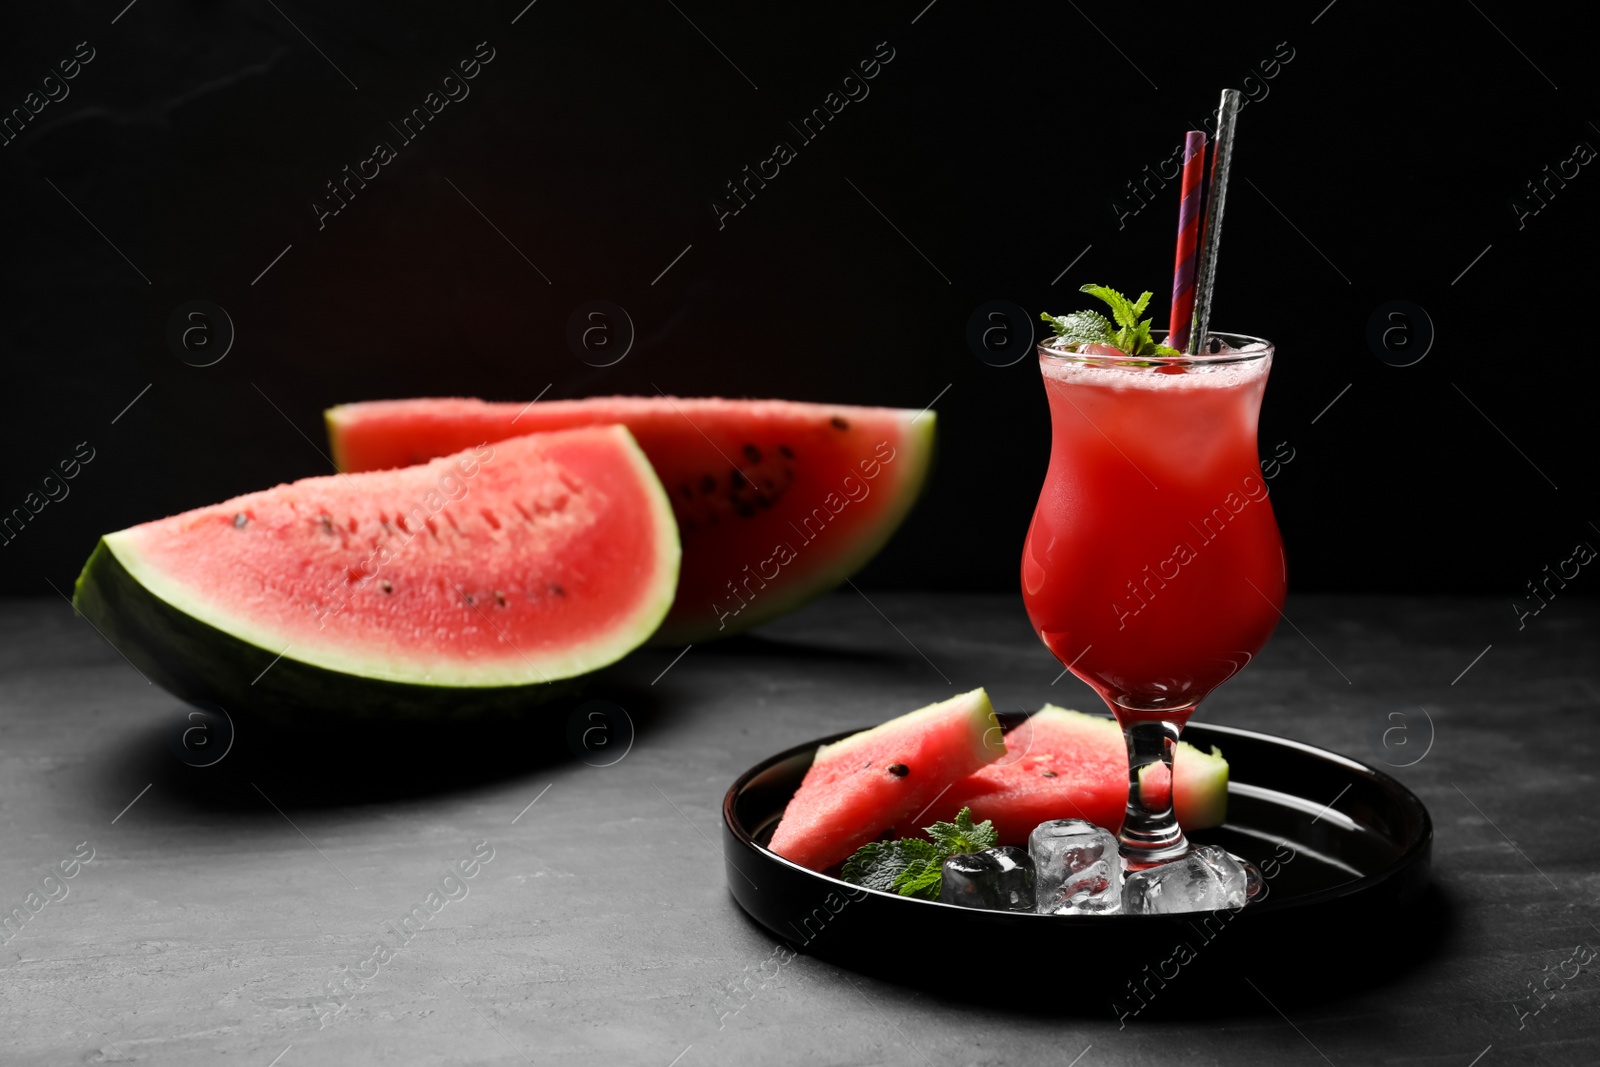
841,804
189,649
917,438
989,744
1211,784
199,662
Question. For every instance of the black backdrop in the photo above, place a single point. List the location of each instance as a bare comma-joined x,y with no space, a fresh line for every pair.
1378,160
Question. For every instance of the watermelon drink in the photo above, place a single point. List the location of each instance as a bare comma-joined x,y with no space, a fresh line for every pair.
1153,568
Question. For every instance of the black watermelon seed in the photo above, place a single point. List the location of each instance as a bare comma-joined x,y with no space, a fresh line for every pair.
839,424
327,522
783,450
499,598
763,500
690,526
708,484
752,453
557,590
1047,774
899,770
688,494
239,520
744,508
387,588
470,601
736,479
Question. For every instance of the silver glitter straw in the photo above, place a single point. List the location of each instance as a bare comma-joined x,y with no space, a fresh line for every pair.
1206,272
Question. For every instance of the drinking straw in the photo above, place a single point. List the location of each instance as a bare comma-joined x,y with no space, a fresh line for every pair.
1189,211
1211,235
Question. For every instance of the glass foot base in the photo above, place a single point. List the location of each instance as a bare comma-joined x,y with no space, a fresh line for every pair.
1140,856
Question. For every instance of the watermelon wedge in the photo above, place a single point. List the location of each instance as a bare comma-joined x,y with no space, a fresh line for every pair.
858,787
776,501
1068,765
473,584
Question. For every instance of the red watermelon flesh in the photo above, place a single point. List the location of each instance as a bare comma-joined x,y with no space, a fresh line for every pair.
508,565
858,787
776,501
1067,765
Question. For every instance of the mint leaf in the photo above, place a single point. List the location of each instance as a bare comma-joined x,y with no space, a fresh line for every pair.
913,867
1125,312
922,879
879,864
1083,328
1138,342
962,835
1129,334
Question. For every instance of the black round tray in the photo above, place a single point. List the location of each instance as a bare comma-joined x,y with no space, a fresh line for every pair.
1344,849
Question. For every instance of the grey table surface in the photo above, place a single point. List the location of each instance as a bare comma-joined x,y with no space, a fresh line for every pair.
222,903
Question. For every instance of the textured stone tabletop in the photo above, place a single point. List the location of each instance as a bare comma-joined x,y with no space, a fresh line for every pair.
581,915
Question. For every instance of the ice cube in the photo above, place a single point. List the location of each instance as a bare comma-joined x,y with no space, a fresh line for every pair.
1000,879
1078,869
1207,879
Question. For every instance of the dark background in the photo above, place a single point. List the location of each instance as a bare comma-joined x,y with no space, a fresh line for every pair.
1383,156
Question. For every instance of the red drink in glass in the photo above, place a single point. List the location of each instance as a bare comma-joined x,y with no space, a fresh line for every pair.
1153,567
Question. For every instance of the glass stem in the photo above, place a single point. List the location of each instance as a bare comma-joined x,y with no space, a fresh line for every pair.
1150,832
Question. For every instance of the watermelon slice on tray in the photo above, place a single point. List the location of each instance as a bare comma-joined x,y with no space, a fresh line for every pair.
1068,765
857,787
474,584
1059,764
776,501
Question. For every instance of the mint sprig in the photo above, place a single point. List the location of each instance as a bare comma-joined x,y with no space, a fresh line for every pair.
1128,333
885,865
913,867
963,835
